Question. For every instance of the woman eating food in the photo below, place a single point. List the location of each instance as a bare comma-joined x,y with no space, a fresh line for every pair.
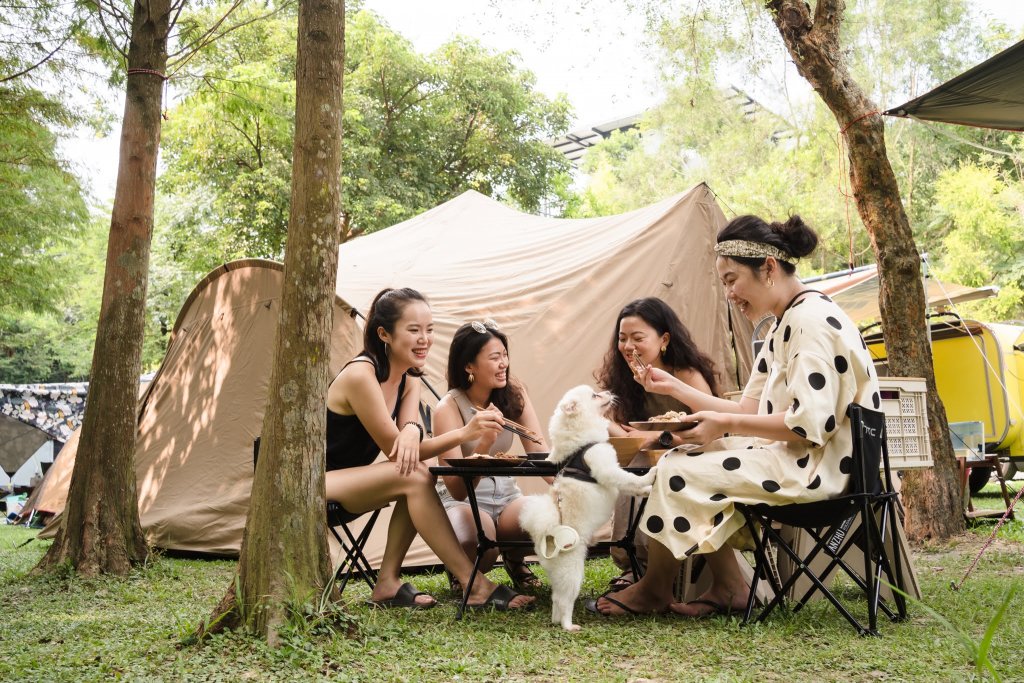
648,333
789,436
372,407
478,375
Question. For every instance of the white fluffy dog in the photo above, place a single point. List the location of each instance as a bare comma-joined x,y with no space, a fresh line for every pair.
563,523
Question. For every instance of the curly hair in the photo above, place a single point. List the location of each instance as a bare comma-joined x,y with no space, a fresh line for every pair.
681,353
466,345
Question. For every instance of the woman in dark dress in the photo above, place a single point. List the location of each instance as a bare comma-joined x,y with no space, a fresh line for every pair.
372,408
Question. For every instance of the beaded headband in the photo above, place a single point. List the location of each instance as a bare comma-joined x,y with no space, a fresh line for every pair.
747,249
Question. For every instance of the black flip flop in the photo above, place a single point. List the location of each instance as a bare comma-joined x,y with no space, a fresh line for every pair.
404,597
717,609
592,606
499,600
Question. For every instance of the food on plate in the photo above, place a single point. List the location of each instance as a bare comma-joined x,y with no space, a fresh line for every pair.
670,416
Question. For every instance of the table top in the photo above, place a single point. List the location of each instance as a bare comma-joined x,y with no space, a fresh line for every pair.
530,468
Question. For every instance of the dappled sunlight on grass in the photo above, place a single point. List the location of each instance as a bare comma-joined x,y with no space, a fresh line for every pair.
71,629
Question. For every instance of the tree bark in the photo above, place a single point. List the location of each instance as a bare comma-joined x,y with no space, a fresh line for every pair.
284,558
932,497
101,532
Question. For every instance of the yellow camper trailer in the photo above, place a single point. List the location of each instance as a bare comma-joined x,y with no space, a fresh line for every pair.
979,372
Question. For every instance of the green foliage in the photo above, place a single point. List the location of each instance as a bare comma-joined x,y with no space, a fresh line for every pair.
772,153
41,206
418,130
978,216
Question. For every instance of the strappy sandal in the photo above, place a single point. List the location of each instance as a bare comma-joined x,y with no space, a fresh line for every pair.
522,576
623,580
454,585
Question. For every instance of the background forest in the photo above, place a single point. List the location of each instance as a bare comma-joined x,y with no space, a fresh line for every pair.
420,129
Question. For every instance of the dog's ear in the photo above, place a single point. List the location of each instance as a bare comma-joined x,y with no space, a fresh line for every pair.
570,406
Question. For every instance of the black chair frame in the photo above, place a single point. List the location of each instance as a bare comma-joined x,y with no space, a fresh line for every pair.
354,559
828,523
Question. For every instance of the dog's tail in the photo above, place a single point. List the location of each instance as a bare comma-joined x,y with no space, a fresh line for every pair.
539,516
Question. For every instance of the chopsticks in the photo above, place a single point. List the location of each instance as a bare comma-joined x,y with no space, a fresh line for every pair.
516,428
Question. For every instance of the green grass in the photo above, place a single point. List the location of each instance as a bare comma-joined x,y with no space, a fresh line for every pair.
69,629
991,498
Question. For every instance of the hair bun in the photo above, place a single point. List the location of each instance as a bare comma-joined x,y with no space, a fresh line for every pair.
799,238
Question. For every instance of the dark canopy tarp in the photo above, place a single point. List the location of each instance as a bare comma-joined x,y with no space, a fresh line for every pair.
18,441
991,95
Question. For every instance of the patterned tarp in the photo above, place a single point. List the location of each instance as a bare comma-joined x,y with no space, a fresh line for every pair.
57,409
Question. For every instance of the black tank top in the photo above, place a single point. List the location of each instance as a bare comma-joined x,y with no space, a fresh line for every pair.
348,442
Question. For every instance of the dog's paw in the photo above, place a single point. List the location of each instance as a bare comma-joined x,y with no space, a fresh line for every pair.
572,628
644,491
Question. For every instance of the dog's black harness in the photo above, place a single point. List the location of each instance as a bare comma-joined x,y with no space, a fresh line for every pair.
575,467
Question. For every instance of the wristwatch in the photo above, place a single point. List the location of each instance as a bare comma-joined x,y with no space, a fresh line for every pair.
665,439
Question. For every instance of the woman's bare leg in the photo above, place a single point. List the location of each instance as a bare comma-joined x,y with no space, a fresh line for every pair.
728,587
653,592
508,529
360,489
461,517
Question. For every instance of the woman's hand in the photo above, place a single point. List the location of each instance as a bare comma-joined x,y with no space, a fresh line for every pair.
710,426
657,381
485,425
406,450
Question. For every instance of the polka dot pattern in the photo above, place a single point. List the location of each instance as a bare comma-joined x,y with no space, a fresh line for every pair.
830,423
834,323
677,483
770,485
786,332
841,364
769,407
681,524
719,496
762,365
802,462
655,524
846,465
718,519
816,380
816,483
731,464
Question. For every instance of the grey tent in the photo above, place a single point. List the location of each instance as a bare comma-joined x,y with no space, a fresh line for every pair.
18,442
991,95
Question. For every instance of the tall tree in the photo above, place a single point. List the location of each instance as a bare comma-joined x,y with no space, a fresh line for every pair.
284,557
813,40
100,530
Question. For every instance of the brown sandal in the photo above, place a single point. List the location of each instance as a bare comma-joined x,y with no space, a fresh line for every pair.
522,576
454,585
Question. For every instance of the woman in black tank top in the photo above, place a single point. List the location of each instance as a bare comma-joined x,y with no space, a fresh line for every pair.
372,408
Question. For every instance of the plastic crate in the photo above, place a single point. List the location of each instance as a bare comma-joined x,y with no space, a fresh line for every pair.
906,421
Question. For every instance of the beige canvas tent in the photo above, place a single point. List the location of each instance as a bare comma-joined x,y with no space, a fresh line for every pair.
554,285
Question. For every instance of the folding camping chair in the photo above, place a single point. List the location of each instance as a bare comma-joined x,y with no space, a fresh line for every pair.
829,524
352,546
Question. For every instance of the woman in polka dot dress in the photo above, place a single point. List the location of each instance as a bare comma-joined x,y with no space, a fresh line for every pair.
788,438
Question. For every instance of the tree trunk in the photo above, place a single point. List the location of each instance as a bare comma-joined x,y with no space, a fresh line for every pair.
284,558
101,532
932,497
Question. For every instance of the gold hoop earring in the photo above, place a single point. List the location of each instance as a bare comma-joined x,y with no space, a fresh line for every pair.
471,377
